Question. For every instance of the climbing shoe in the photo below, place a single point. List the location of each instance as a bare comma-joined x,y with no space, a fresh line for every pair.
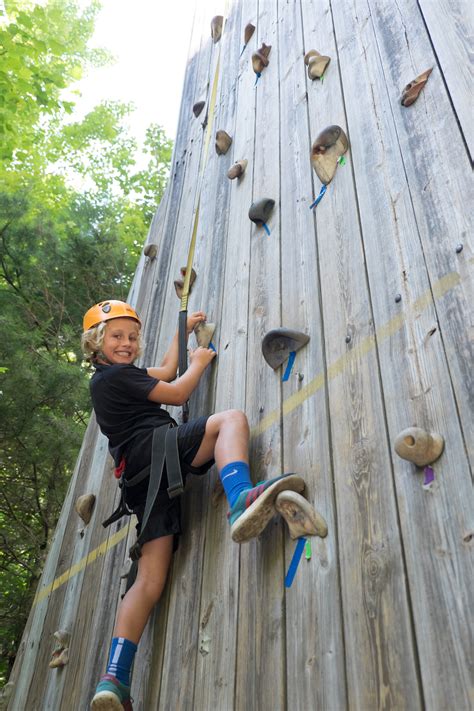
255,507
111,695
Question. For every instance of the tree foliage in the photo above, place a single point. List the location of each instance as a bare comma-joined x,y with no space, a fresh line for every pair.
74,211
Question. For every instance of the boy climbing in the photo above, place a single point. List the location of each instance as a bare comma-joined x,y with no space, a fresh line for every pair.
127,402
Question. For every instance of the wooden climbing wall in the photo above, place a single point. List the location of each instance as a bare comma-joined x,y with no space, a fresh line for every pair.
378,275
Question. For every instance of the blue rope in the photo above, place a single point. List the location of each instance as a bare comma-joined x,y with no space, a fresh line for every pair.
320,197
289,366
295,562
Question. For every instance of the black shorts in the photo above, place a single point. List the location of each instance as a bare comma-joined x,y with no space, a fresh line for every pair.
165,517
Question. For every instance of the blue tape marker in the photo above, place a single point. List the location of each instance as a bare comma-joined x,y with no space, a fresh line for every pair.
289,366
320,196
294,562
212,347
266,228
259,74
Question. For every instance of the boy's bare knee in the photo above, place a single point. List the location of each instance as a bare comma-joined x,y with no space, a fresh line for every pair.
236,418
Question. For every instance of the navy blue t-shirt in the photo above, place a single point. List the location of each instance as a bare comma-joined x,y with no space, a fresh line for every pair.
120,399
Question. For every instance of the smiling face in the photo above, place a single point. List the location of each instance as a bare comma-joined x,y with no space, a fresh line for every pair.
121,341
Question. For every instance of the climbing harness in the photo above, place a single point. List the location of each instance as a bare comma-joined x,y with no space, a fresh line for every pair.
164,448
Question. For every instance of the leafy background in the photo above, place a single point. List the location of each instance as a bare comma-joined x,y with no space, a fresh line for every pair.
75,208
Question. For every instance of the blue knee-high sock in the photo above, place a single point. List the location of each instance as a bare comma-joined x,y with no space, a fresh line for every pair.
122,653
235,478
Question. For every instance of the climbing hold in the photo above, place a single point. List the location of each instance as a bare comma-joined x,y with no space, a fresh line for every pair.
150,251
316,63
216,28
204,332
459,248
84,506
198,107
398,298
248,33
300,516
418,446
60,655
260,58
348,338
279,343
59,659
238,169
412,90
179,283
223,142
261,210
328,147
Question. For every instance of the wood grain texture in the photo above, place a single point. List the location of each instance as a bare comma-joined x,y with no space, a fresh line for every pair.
315,669
260,648
378,618
377,624
451,28
414,369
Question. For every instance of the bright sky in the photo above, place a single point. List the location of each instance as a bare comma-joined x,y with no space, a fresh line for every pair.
150,39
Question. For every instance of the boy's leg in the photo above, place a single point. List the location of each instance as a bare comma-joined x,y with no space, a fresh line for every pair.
113,690
226,440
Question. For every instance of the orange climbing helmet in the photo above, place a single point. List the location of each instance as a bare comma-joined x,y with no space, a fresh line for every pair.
106,311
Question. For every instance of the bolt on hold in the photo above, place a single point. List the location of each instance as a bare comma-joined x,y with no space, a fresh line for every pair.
216,28
459,248
260,58
418,446
223,142
316,63
326,150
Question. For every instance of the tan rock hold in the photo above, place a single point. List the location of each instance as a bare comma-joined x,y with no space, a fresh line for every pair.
412,90
260,58
84,506
418,446
223,142
216,28
150,251
328,147
204,332
248,33
179,283
59,659
317,64
238,169
301,517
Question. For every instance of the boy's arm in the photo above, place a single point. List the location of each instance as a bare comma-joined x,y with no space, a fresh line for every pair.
169,365
178,392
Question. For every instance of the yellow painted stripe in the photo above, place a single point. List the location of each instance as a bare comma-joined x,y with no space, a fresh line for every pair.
440,288
83,563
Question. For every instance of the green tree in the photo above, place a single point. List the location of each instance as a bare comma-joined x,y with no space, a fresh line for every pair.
74,213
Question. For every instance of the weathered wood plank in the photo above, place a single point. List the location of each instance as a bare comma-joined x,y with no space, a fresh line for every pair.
380,656
260,680
183,615
315,670
451,27
25,662
418,389
215,663
146,683
440,184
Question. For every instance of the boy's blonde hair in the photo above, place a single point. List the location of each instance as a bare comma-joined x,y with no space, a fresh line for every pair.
93,340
